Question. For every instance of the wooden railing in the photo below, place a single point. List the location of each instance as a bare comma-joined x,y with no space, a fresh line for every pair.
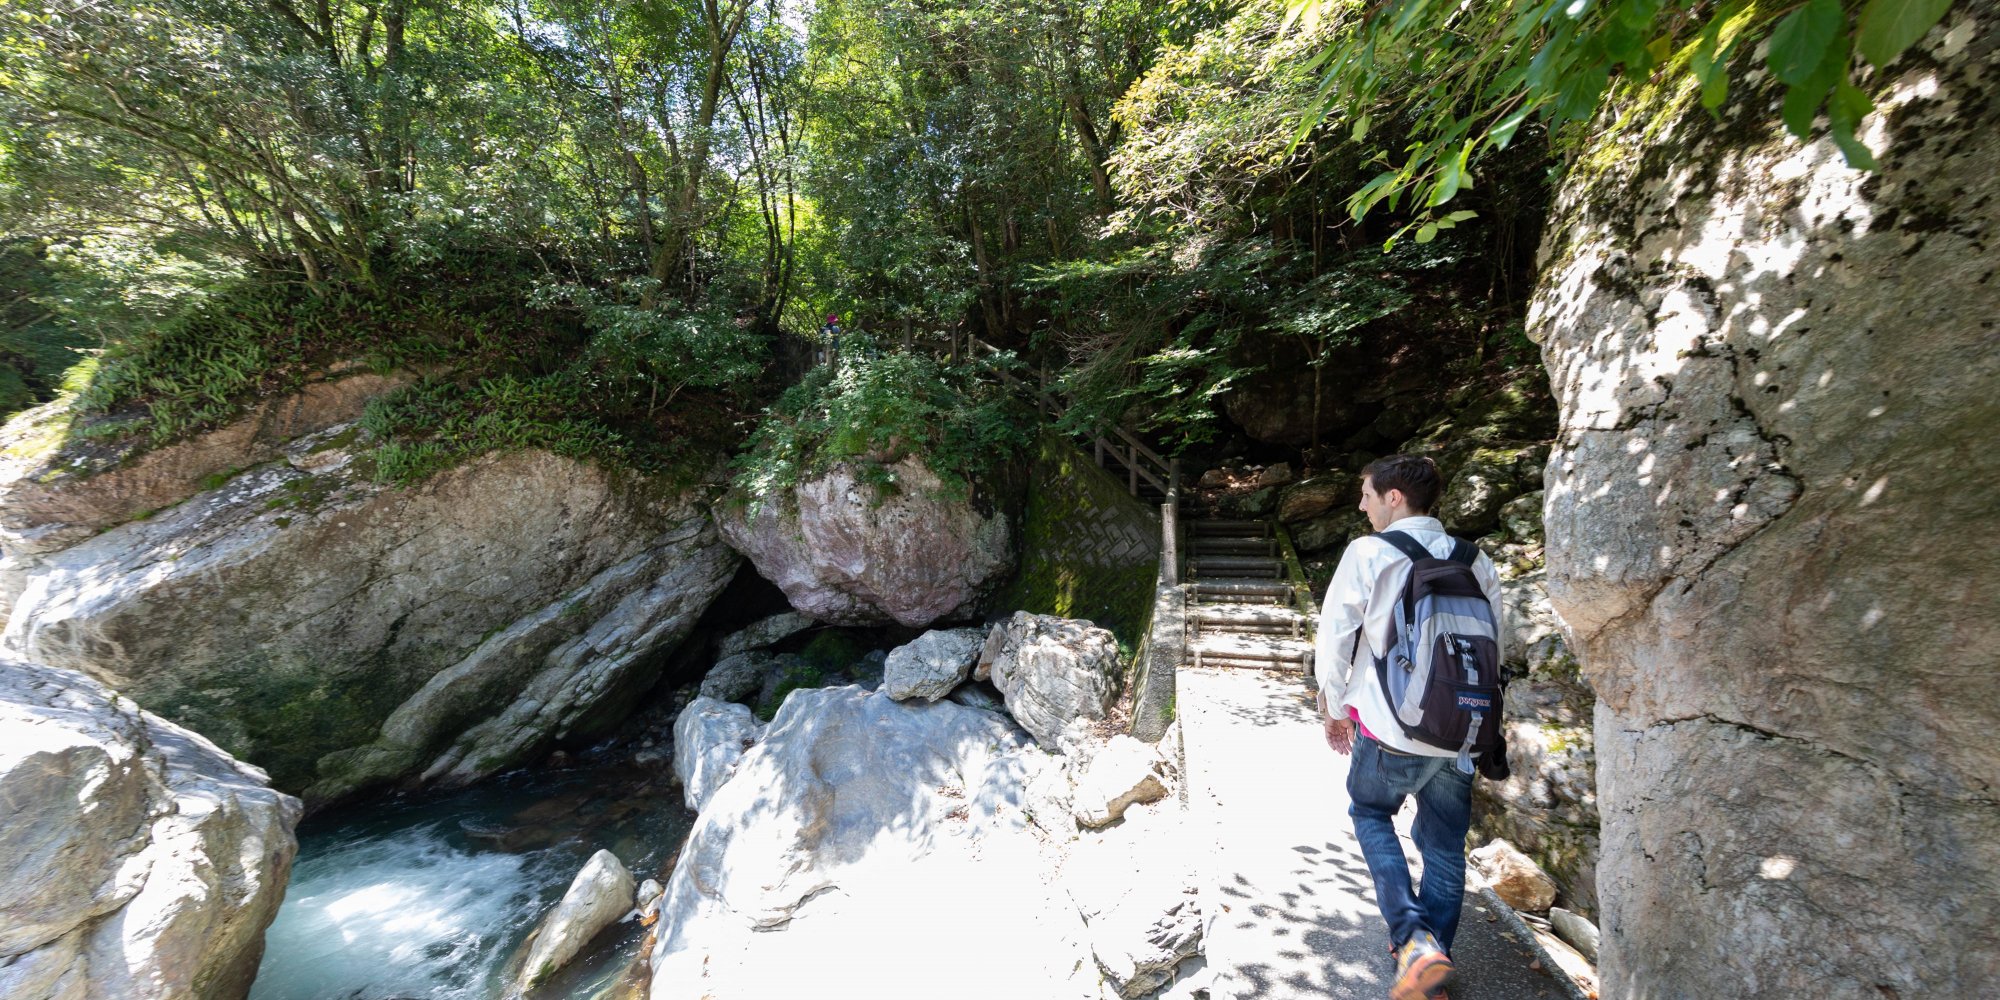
1142,464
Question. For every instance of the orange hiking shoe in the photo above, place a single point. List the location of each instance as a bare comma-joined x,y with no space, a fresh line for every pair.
1422,969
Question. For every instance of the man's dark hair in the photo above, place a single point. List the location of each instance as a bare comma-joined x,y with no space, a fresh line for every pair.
1415,475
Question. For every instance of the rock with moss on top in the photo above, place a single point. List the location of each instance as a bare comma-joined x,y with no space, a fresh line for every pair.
875,545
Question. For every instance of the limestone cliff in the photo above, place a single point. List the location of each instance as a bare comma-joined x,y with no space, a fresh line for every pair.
1767,514
341,632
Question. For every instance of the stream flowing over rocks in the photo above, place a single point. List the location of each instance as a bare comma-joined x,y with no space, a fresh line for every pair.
1769,514
341,632
137,860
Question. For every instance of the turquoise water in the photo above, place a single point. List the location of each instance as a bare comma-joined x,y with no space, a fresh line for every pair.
429,899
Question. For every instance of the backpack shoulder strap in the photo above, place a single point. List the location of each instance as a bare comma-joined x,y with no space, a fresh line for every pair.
1405,544
1463,552
1415,551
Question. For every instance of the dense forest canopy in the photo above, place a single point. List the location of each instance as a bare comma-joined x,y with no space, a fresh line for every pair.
583,216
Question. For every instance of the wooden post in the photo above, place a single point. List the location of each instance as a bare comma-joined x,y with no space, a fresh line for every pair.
1132,471
1170,563
1098,444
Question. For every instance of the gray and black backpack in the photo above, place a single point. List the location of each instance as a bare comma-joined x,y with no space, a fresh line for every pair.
1441,672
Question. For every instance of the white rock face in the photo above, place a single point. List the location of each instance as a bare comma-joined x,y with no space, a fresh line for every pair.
845,553
930,666
137,860
1052,672
710,738
1123,772
764,633
1135,888
341,633
600,894
1769,520
863,827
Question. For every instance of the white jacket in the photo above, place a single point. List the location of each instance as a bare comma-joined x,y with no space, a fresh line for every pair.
1362,599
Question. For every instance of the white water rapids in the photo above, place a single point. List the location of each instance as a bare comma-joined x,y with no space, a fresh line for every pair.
430,900
406,915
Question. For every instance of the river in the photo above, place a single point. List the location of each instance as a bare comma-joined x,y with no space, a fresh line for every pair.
430,897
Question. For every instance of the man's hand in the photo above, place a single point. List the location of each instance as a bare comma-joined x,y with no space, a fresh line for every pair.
1340,735
1339,731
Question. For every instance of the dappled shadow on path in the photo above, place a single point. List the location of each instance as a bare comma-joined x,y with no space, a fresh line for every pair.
1289,701
1326,939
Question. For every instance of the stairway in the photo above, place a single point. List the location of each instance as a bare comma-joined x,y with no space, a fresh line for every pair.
1240,610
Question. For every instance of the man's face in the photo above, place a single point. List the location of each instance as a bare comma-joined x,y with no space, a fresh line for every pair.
1375,505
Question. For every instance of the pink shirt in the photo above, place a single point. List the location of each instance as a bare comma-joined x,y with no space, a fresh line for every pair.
1355,714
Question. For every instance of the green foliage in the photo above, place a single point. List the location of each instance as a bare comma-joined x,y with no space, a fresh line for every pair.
249,339
1158,338
42,334
874,411
638,349
1462,80
438,423
953,146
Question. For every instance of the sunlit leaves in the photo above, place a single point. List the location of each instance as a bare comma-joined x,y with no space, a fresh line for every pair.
1470,76
1890,26
1802,39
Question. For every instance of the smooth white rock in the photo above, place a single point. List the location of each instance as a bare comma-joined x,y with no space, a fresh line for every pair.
861,827
709,739
137,860
599,895
1579,932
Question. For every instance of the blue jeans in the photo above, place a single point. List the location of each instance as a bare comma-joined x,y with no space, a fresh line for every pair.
1377,782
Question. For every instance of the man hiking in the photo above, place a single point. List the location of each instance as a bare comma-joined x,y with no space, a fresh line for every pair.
1407,664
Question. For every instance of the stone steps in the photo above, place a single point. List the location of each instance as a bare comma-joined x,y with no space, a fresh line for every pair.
1220,545
1236,566
1240,611
1222,649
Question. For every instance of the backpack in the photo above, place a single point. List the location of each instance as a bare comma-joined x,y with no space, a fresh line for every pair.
1441,671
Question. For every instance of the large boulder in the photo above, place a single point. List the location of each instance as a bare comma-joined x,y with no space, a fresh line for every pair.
1052,672
850,552
739,676
137,860
1768,519
710,738
870,846
341,632
1309,498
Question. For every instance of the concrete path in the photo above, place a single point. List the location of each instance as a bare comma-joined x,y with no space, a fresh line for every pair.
1290,907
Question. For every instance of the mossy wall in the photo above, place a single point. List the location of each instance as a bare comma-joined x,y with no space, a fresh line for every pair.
1089,549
